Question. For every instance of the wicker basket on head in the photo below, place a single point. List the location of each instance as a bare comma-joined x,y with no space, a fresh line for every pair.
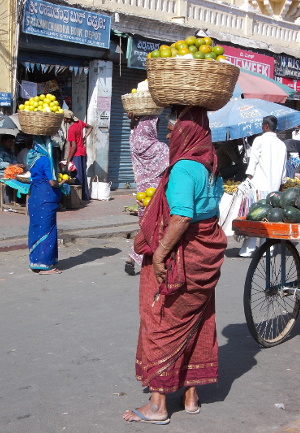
141,104
205,83
40,123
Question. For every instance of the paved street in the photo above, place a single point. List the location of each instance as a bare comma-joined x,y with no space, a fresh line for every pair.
68,350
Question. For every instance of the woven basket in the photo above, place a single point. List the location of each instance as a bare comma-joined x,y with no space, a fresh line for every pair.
205,83
141,104
40,123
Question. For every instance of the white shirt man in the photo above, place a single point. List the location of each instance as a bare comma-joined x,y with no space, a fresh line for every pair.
266,168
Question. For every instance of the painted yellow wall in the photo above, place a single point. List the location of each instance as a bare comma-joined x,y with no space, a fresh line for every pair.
7,44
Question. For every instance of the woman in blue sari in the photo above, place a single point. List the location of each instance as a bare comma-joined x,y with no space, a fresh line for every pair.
45,194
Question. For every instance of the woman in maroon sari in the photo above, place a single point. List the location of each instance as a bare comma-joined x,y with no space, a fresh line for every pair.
183,248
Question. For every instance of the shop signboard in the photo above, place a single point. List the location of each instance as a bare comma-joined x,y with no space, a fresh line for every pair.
293,84
286,66
137,50
251,61
57,21
5,99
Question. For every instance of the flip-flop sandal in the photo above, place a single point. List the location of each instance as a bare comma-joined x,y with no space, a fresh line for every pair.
191,412
50,272
129,268
143,418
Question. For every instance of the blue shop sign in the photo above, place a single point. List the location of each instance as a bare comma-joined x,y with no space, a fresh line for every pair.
55,21
5,99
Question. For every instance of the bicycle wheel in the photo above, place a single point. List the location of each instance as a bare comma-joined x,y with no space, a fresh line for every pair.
270,304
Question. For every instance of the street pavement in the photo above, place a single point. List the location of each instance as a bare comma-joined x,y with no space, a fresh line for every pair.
68,341
95,219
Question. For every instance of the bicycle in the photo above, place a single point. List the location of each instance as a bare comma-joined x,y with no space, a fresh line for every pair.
272,285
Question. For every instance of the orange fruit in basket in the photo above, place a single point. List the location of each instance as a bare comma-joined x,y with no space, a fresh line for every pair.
205,49
165,53
155,54
210,55
219,51
208,40
174,52
164,47
178,43
190,40
182,45
221,58
199,55
199,42
193,49
149,56
183,51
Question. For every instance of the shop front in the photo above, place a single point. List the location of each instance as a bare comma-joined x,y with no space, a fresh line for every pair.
57,47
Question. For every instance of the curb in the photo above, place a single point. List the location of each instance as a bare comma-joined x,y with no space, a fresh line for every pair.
292,427
127,231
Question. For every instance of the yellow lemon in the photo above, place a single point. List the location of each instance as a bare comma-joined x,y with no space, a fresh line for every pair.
42,97
65,177
133,90
21,107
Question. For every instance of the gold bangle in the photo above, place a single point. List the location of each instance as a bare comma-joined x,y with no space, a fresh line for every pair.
162,245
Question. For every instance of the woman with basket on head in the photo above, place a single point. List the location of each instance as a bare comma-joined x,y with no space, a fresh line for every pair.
183,248
150,158
45,194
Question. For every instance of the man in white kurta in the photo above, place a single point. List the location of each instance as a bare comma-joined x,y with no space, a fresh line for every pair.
266,169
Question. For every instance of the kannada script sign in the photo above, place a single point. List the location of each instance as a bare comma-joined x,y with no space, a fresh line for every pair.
55,21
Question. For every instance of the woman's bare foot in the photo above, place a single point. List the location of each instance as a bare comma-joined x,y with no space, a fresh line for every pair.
50,271
154,410
190,400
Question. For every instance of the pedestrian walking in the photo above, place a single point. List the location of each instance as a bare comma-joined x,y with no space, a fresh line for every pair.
77,149
183,248
266,169
150,158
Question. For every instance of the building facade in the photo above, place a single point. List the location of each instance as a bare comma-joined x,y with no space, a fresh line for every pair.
92,55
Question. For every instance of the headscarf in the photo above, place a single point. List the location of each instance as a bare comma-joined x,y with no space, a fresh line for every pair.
41,147
150,157
190,139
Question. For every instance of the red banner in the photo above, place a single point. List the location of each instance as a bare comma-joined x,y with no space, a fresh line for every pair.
293,84
251,61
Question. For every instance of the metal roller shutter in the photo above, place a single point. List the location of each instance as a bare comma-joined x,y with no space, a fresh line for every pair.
120,166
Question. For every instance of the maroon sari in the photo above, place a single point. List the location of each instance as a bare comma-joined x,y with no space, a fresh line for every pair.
177,343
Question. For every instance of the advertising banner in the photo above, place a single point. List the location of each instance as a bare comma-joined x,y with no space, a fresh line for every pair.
293,84
251,61
5,99
137,50
56,21
286,66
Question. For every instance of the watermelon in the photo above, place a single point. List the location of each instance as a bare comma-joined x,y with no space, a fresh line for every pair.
291,215
289,196
297,202
273,198
262,201
275,215
259,212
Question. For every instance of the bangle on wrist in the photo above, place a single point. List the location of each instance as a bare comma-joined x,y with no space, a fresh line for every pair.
162,245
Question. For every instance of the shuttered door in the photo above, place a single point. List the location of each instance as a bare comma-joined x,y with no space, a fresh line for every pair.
119,165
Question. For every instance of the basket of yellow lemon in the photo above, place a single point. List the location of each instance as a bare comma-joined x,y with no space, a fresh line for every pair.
191,72
140,102
40,115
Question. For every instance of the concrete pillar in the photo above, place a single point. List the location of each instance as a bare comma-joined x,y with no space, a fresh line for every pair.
98,115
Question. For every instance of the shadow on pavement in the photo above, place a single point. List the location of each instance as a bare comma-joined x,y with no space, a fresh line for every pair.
87,256
236,358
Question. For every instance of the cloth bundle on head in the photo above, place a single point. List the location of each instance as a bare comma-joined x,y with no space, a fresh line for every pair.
68,114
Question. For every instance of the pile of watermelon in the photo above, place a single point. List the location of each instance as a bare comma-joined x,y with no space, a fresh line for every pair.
277,207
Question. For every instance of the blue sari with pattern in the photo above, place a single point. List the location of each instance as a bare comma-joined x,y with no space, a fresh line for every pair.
42,207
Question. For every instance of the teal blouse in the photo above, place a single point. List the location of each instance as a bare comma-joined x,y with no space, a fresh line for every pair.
191,193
